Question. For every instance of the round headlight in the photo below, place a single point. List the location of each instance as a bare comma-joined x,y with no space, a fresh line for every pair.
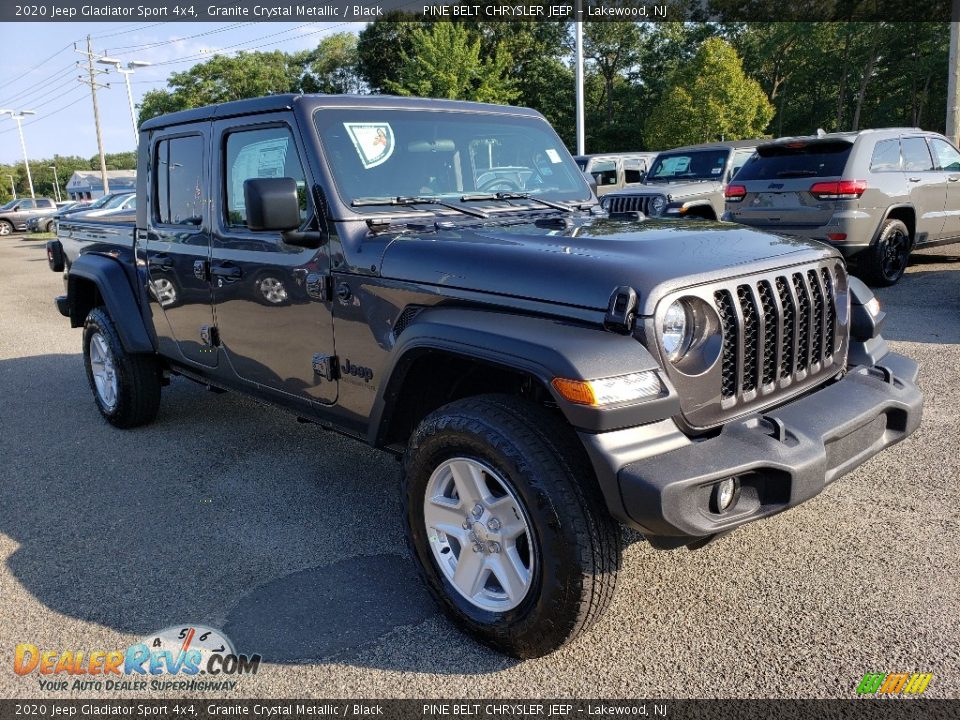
677,330
658,204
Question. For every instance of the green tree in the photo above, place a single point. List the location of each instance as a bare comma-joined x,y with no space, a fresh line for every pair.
709,99
332,66
444,62
381,47
222,79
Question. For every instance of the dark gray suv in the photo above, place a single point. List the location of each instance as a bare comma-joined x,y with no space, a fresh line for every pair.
874,194
14,215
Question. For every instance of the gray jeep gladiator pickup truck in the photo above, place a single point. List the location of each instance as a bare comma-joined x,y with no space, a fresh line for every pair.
545,370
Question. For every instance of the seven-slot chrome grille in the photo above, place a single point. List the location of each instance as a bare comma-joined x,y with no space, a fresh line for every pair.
629,203
778,330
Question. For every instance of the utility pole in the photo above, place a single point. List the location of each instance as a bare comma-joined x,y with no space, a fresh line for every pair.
953,85
92,82
578,29
18,116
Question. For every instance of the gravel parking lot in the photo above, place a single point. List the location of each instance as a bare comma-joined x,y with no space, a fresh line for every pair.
289,538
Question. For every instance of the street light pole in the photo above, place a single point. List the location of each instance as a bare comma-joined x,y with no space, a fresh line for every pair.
953,85
578,29
18,116
56,183
127,72
13,187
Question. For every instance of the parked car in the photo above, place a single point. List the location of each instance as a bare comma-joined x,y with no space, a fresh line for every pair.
46,223
685,182
875,195
615,171
113,202
544,371
17,213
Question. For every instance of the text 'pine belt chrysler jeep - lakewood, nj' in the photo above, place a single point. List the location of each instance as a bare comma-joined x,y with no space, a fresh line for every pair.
546,370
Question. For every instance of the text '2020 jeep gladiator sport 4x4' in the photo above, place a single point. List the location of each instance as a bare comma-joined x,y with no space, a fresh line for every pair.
544,370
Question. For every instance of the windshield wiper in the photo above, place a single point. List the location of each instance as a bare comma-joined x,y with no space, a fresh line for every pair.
416,200
480,197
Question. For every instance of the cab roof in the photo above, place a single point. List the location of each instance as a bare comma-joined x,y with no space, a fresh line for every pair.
273,103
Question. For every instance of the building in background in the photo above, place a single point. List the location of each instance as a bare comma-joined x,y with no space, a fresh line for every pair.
88,185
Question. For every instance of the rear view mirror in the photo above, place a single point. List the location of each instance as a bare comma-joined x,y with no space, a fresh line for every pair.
271,203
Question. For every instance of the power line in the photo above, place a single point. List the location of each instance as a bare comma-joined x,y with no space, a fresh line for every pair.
38,85
47,115
44,89
220,51
124,32
128,49
39,64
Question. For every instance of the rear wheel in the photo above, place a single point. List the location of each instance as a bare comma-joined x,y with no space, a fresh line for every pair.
887,259
126,387
6,227
507,524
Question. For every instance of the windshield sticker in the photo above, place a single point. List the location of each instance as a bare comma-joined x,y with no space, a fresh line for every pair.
553,155
373,141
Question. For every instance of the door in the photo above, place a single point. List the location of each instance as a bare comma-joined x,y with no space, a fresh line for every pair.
927,187
178,247
605,173
273,316
947,160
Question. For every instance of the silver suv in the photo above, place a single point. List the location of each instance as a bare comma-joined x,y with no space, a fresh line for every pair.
685,182
874,194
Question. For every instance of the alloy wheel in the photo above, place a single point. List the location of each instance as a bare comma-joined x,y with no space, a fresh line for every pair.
103,370
479,534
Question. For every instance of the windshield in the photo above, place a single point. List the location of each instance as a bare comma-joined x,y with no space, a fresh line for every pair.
692,165
8,205
115,202
402,153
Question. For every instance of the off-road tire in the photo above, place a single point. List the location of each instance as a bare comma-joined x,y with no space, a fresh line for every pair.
138,376
578,543
885,261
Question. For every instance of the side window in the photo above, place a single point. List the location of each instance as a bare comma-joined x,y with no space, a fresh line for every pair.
266,153
633,171
948,158
739,160
45,202
604,172
178,181
916,154
26,205
886,156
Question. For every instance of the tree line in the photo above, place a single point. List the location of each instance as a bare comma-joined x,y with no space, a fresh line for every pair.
43,175
648,86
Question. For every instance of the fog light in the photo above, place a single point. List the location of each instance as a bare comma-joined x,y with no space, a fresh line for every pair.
724,493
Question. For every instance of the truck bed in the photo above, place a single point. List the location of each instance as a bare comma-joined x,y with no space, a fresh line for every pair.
78,235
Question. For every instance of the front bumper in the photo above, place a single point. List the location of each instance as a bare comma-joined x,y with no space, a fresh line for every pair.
782,457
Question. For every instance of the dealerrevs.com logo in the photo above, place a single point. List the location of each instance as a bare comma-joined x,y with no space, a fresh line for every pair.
894,684
186,657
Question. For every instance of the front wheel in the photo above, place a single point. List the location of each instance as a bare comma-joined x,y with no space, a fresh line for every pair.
125,387
6,227
507,525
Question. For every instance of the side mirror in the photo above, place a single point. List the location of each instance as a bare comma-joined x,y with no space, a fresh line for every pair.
272,203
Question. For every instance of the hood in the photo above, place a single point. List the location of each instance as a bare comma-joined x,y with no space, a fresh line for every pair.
582,265
677,190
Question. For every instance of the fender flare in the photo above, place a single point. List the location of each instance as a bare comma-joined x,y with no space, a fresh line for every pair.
544,348
114,287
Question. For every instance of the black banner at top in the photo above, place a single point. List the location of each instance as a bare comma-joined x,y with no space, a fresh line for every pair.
362,11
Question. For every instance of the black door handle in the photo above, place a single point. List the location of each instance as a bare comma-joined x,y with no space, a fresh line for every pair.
914,179
953,178
228,273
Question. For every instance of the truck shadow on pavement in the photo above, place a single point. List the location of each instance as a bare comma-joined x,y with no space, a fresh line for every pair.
222,512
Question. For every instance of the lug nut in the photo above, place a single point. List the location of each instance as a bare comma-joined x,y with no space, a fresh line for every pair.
493,524
477,510
477,547
493,547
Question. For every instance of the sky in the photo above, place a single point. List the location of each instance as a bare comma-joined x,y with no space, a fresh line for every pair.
37,72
